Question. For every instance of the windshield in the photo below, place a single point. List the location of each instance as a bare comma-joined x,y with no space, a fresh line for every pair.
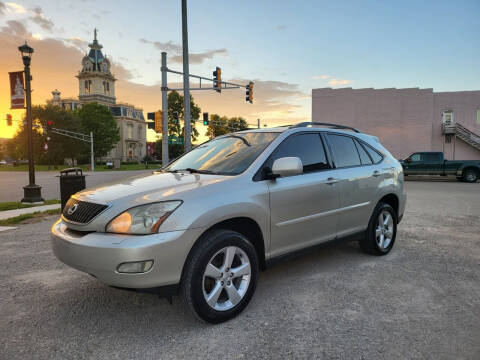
226,155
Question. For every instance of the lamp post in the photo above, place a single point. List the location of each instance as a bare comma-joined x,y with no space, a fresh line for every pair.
31,192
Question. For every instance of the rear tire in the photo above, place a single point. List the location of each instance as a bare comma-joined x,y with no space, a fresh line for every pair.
381,232
220,276
470,175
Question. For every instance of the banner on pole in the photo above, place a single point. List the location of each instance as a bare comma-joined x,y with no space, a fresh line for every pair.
17,90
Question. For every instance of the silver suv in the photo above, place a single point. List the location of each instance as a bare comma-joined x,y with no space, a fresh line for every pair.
209,221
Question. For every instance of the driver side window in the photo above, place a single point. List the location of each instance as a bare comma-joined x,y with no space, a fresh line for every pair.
308,147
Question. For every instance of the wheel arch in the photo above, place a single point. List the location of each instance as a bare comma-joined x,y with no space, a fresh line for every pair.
392,200
471,167
243,225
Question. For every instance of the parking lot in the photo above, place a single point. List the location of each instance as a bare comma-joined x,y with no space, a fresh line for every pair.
420,301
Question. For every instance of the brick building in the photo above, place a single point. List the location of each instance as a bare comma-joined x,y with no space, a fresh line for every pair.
407,120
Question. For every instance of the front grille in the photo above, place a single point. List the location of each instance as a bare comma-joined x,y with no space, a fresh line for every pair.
84,211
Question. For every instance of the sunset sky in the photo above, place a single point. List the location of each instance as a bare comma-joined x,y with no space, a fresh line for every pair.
285,47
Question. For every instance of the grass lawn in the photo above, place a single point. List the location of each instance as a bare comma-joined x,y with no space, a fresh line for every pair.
12,205
23,218
133,166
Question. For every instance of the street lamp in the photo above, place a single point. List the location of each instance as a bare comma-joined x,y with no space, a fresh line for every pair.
31,192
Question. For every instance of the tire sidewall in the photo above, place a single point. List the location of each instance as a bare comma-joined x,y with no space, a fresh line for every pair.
372,227
468,171
218,241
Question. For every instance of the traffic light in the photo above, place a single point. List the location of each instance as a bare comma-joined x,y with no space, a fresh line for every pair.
9,119
158,115
249,93
175,117
217,79
49,125
151,116
205,119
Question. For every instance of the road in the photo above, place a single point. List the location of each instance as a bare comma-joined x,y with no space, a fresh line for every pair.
422,301
12,182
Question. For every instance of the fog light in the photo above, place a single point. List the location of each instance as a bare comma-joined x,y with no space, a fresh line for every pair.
135,267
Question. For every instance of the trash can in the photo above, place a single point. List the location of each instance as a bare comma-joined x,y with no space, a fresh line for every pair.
72,180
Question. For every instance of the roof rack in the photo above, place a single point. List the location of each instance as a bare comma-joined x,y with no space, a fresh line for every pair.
334,126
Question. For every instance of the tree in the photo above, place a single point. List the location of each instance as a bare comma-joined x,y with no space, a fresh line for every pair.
218,126
175,104
59,147
223,125
98,119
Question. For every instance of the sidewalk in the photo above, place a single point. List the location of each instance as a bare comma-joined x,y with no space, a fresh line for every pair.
12,213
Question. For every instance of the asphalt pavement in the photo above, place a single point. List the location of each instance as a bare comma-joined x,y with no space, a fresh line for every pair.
421,301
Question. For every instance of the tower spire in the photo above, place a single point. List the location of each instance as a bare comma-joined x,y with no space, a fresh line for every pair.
95,34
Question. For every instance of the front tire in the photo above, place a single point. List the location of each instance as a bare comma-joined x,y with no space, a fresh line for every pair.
220,276
381,232
470,176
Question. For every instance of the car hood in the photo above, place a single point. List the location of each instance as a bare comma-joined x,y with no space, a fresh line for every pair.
145,189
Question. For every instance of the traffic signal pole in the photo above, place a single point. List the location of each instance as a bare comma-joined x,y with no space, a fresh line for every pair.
164,111
186,79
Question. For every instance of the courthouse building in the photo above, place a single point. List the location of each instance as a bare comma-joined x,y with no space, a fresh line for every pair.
407,120
97,84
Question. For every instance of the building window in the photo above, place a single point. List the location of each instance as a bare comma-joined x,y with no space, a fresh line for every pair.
88,86
129,131
139,132
447,117
106,87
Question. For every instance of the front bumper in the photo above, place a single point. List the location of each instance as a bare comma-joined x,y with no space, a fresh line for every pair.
99,254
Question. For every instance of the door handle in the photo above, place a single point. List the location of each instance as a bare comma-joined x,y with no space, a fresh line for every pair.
376,173
331,181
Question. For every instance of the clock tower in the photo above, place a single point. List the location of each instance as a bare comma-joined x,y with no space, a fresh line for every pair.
96,82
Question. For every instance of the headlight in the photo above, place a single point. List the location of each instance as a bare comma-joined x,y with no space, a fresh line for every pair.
143,219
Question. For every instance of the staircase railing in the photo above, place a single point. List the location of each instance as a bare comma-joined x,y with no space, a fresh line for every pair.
468,136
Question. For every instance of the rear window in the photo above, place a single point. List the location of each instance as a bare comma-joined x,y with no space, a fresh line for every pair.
364,157
374,154
344,151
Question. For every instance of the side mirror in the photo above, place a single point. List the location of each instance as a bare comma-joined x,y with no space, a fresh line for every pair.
408,160
287,166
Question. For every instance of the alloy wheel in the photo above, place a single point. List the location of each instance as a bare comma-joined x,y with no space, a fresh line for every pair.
226,278
384,230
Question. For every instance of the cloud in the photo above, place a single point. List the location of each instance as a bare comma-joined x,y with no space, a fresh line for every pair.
199,57
176,52
3,8
281,27
15,8
164,46
320,77
275,102
336,82
39,19
15,28
333,81
77,42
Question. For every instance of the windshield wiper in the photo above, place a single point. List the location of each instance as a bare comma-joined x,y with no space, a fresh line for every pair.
193,171
239,137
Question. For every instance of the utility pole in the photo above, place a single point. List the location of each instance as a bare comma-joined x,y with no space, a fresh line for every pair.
258,123
186,78
92,158
164,111
31,192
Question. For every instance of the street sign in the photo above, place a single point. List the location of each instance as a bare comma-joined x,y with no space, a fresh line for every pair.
176,140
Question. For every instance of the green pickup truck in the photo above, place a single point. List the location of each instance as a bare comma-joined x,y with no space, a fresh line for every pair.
433,163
